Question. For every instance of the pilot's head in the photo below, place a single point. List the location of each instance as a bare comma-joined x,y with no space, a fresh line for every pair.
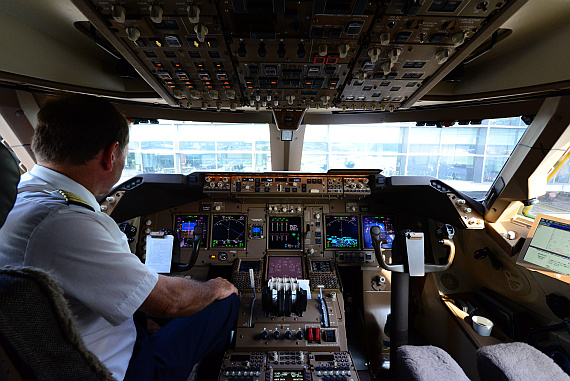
73,129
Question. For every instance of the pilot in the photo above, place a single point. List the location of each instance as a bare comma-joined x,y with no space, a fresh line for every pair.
80,144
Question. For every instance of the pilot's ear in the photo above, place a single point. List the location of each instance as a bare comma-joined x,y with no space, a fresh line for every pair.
109,156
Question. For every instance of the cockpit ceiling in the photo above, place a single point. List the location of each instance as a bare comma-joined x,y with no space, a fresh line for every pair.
296,54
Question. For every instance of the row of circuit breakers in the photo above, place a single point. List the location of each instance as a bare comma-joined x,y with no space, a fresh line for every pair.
348,55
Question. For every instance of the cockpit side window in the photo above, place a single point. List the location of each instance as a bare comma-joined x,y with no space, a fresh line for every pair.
556,201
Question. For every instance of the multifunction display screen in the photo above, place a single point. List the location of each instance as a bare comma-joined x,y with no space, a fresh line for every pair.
184,227
284,233
228,231
341,231
386,230
246,265
285,267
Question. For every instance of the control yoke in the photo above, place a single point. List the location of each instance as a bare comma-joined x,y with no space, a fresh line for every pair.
408,256
408,248
179,267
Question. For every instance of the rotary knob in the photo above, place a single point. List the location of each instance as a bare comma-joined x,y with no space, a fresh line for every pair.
288,335
276,335
264,335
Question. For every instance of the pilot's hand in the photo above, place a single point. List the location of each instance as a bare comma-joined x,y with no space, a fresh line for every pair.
223,288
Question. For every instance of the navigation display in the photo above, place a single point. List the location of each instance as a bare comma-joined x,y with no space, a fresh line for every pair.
547,249
386,230
341,231
228,231
184,227
285,267
284,233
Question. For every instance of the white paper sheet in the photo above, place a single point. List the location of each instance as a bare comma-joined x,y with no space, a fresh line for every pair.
159,253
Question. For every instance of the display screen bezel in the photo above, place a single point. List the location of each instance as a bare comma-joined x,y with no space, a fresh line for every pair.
205,238
269,233
270,258
362,229
245,227
327,232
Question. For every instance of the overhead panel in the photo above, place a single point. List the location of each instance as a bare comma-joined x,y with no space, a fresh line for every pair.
338,55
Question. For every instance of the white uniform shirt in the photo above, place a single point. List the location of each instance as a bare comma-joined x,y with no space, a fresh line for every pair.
85,250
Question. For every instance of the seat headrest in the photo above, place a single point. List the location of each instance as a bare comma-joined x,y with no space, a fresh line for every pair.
9,178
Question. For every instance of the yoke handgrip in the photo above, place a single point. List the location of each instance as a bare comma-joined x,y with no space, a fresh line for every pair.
179,267
377,244
437,268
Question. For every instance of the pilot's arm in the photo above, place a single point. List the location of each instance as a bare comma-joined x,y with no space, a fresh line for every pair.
177,297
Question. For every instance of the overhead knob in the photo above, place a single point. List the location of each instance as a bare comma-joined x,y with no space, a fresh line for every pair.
276,335
242,52
133,33
204,106
195,94
394,54
264,335
193,14
178,93
373,54
288,335
323,50
231,94
442,55
213,94
325,99
300,335
233,107
458,38
361,76
110,199
218,106
387,67
290,98
119,13
156,14
343,50
385,39
281,50
201,32
261,51
301,51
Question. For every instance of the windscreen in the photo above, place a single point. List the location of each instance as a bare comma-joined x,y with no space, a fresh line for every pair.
467,155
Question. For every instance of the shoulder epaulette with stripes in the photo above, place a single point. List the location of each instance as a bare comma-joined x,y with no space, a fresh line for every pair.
73,199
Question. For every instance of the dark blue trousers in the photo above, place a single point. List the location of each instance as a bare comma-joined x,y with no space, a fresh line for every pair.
171,353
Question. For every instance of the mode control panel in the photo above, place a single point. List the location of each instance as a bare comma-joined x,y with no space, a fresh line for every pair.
286,185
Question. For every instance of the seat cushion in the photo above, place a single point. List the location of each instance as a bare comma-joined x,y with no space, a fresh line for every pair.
516,361
428,363
37,330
